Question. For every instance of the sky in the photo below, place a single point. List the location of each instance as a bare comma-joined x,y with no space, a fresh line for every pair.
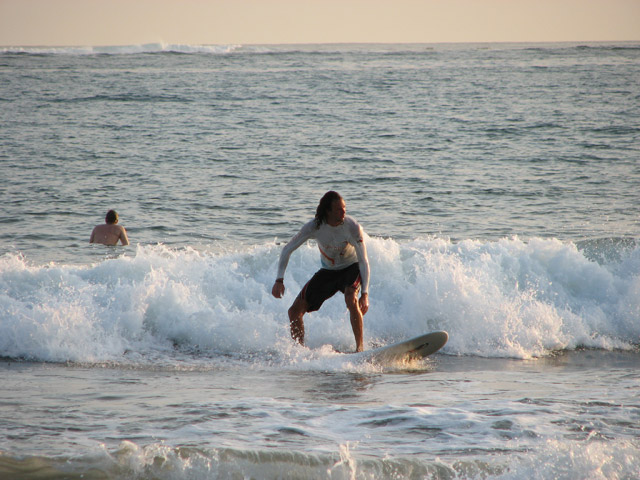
233,22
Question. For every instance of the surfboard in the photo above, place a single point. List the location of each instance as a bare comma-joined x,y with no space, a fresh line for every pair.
412,349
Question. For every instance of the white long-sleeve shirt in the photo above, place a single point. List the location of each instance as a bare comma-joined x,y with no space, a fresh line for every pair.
340,246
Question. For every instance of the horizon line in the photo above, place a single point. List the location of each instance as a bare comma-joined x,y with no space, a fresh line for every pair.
467,42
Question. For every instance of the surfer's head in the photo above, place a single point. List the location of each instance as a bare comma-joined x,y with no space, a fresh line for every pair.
326,205
112,217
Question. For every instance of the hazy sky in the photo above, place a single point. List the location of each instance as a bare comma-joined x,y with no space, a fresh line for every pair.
128,22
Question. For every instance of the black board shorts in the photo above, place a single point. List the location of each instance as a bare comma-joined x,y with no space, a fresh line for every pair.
326,283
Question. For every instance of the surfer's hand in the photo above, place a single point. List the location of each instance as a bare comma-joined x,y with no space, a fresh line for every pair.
278,289
364,303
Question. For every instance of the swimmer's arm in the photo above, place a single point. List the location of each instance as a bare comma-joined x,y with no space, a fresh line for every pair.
123,236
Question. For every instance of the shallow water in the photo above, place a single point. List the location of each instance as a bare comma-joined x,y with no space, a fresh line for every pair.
449,417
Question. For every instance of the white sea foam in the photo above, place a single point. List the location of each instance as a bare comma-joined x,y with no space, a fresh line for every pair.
554,459
160,47
165,47
507,298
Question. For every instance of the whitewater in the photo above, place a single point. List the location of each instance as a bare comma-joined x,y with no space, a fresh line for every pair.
496,299
498,188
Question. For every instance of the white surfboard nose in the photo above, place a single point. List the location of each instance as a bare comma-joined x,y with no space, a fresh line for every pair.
418,347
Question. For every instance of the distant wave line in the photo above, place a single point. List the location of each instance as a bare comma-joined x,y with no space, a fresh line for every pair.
169,48
148,48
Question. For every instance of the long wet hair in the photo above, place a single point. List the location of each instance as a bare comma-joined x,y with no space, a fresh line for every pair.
325,205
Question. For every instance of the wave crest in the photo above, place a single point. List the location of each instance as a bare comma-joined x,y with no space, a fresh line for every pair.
148,48
506,298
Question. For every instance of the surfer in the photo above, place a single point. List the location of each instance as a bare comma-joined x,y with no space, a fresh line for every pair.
345,266
109,233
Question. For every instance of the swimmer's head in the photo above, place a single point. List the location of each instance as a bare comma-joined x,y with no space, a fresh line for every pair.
112,217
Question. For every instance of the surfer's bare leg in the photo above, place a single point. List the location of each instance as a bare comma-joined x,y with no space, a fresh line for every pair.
296,314
351,299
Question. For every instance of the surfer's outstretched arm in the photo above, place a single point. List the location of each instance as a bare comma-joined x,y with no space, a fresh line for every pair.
355,315
305,233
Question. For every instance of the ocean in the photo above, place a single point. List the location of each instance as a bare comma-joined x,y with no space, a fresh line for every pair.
499,189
